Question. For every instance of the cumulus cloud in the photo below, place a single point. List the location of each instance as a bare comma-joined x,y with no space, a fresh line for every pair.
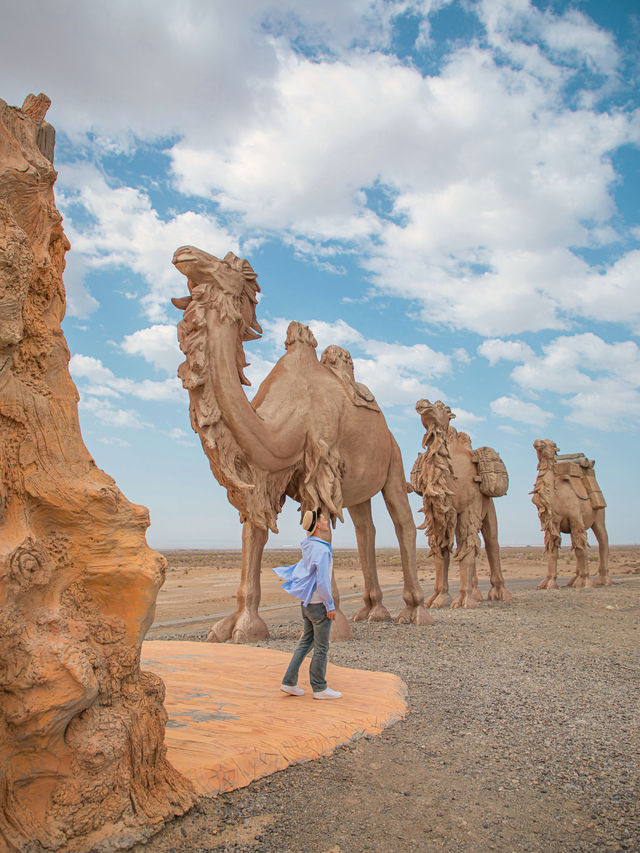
110,415
519,410
157,344
126,232
596,381
495,350
102,382
493,183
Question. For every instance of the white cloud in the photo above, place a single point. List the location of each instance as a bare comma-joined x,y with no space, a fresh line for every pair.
338,333
157,344
119,442
598,382
398,374
102,382
491,179
519,410
110,415
495,350
467,421
126,232
492,182
570,37
569,362
606,404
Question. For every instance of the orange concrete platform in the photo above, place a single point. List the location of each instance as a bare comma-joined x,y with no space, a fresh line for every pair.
229,723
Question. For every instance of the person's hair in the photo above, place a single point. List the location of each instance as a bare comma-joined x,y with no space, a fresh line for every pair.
310,519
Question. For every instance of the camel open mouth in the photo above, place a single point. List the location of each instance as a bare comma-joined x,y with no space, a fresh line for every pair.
183,255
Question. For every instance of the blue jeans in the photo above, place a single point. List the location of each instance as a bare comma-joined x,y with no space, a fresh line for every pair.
317,628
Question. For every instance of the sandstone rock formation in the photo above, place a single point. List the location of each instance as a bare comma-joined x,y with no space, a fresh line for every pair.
82,756
569,500
311,433
457,488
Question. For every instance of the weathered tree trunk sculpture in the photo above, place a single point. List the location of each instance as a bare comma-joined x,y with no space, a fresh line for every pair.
568,499
82,756
311,433
457,495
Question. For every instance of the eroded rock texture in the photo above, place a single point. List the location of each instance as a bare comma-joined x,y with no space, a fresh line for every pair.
82,757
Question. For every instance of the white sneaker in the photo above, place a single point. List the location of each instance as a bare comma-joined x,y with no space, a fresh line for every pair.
292,689
327,693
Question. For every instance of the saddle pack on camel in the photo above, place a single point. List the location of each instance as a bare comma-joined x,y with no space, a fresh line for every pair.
492,474
569,465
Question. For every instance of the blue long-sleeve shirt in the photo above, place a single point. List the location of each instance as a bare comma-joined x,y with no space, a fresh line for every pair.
312,572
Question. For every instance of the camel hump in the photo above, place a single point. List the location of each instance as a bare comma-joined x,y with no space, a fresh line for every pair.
340,363
493,478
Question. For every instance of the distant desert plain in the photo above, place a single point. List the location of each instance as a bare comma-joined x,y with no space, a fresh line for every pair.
200,585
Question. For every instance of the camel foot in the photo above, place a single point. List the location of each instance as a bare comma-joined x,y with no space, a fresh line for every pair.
476,594
438,599
581,583
239,627
499,593
222,630
548,583
377,613
363,614
340,630
415,615
602,580
572,581
464,599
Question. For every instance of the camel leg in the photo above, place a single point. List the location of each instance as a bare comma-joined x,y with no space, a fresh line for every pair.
579,544
467,539
600,531
395,497
340,630
475,592
440,596
373,609
498,592
245,625
551,546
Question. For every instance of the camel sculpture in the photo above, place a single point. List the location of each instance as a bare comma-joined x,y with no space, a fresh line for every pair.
569,500
457,491
311,433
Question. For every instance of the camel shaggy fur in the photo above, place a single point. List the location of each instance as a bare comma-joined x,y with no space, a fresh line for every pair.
446,476
569,500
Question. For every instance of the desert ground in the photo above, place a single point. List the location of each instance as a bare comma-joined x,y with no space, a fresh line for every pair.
523,728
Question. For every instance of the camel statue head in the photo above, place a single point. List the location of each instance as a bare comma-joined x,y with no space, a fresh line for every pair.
230,286
434,414
546,449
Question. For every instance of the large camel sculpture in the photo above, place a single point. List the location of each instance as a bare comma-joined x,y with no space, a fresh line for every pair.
447,477
311,433
569,500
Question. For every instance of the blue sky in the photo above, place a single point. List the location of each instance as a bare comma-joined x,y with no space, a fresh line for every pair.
447,189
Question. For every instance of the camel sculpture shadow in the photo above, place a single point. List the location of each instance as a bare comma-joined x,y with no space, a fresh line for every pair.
311,433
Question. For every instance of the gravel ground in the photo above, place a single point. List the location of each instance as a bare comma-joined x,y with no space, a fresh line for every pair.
522,735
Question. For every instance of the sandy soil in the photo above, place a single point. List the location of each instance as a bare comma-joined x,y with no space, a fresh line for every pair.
201,585
523,732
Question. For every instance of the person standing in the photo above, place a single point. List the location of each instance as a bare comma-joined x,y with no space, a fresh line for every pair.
310,581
